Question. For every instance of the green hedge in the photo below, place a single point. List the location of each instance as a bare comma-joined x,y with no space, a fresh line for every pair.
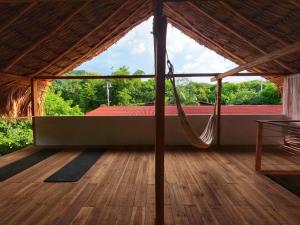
14,135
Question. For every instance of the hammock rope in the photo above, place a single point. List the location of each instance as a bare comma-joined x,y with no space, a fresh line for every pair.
206,139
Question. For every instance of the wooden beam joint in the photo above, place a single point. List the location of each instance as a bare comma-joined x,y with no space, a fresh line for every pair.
261,60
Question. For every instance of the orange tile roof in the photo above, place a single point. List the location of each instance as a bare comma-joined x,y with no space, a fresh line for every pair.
190,110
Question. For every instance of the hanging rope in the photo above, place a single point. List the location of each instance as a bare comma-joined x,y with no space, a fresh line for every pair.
208,135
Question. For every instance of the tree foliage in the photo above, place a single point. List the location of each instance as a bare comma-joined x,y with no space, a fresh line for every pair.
90,94
14,134
55,105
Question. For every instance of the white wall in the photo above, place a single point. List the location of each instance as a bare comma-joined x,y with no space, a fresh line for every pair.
138,130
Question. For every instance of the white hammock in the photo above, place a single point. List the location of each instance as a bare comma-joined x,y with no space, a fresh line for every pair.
207,137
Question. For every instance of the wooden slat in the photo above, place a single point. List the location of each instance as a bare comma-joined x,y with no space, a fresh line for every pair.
237,34
87,35
266,58
160,33
21,54
253,24
18,16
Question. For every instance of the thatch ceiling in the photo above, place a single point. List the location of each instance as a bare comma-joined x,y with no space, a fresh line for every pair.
52,37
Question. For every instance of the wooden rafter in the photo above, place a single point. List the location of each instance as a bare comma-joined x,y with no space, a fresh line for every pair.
253,24
238,35
18,16
266,58
116,12
14,77
295,2
205,38
124,76
18,57
95,48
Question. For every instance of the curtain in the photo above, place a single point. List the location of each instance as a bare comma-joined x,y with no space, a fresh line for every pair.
291,97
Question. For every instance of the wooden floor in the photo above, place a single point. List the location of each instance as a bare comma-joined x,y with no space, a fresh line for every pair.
202,187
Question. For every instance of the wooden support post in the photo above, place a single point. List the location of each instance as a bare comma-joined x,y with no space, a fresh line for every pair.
34,105
160,32
219,98
259,136
34,94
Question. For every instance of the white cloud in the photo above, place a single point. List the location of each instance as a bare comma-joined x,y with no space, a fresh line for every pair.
177,43
136,50
137,41
207,62
188,57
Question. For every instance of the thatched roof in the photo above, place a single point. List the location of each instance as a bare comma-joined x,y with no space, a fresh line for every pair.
52,37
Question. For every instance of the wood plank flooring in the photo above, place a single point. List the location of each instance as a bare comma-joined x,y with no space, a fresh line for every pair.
201,187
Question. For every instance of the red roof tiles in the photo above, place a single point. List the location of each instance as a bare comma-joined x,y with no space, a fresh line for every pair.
190,110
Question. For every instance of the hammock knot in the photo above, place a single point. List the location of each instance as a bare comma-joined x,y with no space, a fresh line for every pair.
170,70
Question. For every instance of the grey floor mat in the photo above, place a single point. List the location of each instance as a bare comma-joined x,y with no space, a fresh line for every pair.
23,164
75,169
290,182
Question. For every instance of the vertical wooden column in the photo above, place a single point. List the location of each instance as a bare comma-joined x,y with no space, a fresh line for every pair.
160,32
259,135
219,98
34,105
34,94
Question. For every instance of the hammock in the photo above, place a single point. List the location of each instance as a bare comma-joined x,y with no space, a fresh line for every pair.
207,137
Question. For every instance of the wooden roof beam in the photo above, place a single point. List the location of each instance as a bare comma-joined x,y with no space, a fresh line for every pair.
14,77
266,58
18,57
253,24
224,26
82,39
94,49
295,2
18,16
132,76
207,39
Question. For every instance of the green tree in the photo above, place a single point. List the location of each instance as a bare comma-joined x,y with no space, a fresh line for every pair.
90,94
270,94
139,72
14,134
244,97
55,105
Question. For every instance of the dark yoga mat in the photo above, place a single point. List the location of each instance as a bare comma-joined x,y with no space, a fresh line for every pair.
75,169
23,164
290,182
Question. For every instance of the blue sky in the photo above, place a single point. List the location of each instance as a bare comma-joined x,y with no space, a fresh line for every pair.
135,51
